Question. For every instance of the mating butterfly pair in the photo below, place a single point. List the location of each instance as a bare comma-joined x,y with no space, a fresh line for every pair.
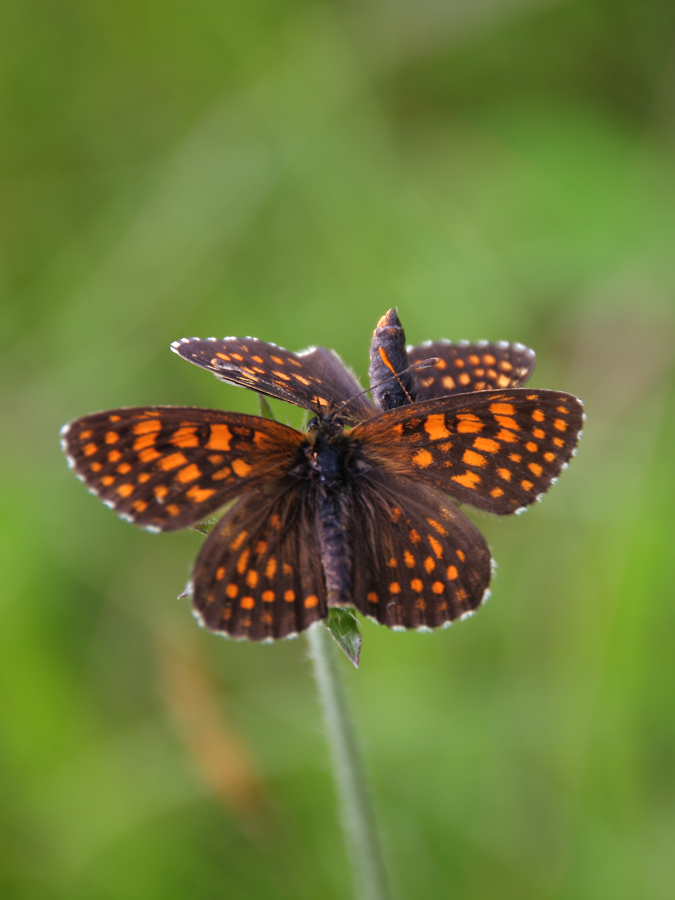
359,510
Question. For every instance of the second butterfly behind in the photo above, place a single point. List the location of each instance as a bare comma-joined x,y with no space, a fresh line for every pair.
360,509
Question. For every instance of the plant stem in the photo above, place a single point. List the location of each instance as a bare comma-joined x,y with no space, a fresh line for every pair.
358,820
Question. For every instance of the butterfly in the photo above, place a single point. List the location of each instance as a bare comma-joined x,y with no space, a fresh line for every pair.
360,509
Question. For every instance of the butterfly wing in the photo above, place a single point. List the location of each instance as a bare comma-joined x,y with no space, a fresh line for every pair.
166,467
463,367
497,451
259,573
421,562
314,379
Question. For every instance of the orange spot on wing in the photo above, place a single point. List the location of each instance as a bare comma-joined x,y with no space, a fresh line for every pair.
558,424
239,540
549,457
473,459
252,578
429,563
161,491
502,409
461,555
242,562
538,415
452,573
89,449
124,468
114,455
417,585
199,495
414,536
232,590
538,433
505,474
173,510
496,492
423,459
558,442
148,455
247,602
189,473
220,573
437,527
219,437
147,427
394,588
146,440
535,469
289,596
96,467
409,559
311,601
435,427
107,480
435,546
448,382
438,587
507,422
221,474
172,461
125,490
268,596
531,446
467,480
507,436
372,597
526,485
464,378
271,567
240,467
486,444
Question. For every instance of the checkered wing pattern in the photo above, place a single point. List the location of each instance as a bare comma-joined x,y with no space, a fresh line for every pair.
497,451
315,379
463,368
166,467
259,573
421,562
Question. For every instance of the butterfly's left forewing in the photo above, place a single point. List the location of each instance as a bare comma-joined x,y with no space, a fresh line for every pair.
495,450
166,467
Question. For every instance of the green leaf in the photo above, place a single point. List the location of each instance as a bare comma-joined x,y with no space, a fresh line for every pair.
344,627
265,409
206,526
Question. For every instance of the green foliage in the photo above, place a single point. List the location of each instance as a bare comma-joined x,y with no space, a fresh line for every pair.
290,171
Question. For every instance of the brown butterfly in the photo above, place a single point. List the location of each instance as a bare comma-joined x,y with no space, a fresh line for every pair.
360,509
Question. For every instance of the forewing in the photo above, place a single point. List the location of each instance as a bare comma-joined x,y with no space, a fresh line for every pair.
497,451
259,573
314,379
421,562
165,467
463,368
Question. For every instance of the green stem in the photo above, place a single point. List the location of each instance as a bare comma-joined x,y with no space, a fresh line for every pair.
358,820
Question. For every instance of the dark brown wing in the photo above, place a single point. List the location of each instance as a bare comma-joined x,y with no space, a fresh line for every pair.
463,367
314,379
420,562
166,467
259,573
495,450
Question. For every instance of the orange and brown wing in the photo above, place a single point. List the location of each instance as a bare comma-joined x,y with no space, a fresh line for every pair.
463,368
259,574
421,562
166,467
495,450
314,379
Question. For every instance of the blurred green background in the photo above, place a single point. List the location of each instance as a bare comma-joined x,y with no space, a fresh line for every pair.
500,169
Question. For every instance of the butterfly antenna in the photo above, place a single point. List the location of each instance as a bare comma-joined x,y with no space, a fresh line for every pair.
422,364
